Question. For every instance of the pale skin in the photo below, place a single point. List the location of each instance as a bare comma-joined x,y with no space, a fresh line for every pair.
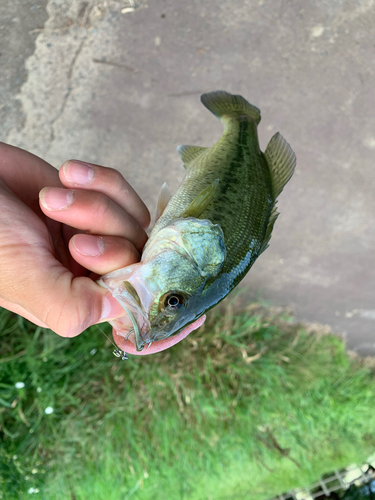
59,231
58,227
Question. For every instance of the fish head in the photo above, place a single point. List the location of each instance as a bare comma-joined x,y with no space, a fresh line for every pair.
161,294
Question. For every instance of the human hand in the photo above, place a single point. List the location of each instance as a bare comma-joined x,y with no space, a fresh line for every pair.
48,251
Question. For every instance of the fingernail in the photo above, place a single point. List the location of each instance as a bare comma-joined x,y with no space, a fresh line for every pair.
88,245
111,308
56,198
78,172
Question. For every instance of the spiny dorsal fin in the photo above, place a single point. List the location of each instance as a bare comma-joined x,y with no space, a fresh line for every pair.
163,199
223,104
199,203
190,153
281,161
274,215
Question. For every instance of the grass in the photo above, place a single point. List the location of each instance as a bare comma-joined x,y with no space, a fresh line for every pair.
249,406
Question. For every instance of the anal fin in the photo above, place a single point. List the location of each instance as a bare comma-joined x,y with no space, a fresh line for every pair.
274,215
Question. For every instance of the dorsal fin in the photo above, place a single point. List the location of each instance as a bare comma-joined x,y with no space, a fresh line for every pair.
190,153
199,203
281,161
163,199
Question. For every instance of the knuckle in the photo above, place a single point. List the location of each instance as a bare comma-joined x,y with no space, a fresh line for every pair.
119,185
116,179
103,205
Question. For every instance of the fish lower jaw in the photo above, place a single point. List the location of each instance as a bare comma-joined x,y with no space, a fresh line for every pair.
125,330
160,345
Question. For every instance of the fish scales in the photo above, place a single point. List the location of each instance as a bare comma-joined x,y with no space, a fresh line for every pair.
209,233
244,189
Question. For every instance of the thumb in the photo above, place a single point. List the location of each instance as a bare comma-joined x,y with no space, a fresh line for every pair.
75,304
55,299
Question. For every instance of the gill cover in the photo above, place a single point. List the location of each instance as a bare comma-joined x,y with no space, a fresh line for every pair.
199,241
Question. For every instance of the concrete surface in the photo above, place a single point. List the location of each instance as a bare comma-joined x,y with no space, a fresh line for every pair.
118,83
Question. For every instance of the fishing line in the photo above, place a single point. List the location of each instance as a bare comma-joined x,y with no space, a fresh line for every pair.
117,351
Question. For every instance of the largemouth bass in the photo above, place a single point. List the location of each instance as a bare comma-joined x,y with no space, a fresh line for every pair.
209,234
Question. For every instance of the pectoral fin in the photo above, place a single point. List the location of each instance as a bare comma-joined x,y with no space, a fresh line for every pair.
198,205
189,153
163,199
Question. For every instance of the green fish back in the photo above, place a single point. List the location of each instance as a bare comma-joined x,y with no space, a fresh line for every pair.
243,184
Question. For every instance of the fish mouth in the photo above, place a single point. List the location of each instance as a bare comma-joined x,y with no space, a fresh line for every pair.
158,346
132,330
133,326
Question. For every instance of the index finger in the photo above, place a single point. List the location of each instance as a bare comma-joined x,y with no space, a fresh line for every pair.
108,181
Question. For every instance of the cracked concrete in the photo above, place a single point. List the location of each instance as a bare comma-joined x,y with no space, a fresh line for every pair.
122,89
18,21
68,88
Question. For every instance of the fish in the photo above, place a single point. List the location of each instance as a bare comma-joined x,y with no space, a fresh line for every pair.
208,234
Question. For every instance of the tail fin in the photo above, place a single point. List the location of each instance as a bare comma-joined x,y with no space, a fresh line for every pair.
222,104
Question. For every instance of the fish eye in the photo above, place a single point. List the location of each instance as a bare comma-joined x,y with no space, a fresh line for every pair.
173,301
